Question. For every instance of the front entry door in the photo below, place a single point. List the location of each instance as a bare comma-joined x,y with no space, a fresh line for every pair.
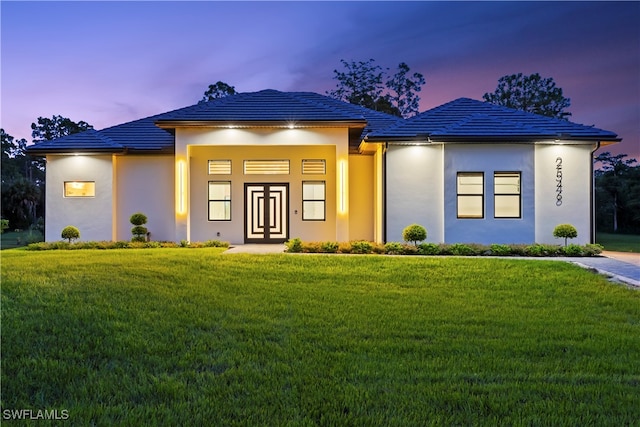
266,213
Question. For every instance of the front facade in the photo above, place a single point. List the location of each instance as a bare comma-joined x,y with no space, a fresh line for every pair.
268,166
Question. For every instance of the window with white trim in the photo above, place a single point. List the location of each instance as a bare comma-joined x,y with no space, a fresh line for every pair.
219,200
470,190
507,195
313,200
79,189
219,167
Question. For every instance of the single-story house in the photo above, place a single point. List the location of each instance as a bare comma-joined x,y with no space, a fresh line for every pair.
268,166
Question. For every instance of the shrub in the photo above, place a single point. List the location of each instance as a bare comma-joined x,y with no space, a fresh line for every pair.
4,224
429,249
344,247
567,231
500,250
294,245
410,250
414,233
330,247
461,249
592,249
139,231
572,250
70,232
361,247
393,248
538,249
215,244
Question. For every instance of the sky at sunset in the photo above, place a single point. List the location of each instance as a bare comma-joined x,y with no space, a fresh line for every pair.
111,62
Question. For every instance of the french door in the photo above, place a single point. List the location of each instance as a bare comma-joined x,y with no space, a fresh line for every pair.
266,212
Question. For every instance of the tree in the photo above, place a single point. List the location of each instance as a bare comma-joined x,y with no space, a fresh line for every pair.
617,193
139,231
56,127
533,94
404,89
218,90
366,84
567,231
414,233
70,232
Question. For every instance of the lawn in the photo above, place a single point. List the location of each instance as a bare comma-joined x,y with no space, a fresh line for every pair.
619,242
194,337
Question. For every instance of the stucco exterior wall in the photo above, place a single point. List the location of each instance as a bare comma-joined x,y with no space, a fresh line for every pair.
198,145
489,158
145,184
563,194
234,230
93,216
414,190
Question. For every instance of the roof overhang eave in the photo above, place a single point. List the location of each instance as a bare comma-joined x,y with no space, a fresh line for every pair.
284,124
41,152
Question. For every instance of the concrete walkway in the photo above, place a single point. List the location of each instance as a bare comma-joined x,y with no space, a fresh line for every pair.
620,266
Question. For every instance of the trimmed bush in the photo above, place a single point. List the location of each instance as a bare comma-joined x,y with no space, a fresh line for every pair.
414,233
70,232
330,247
429,249
461,249
139,231
361,247
393,248
566,231
294,245
572,250
500,250
4,224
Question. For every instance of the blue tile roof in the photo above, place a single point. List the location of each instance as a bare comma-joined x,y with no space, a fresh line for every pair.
463,119
469,120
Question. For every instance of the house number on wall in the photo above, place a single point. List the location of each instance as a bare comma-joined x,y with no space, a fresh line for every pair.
558,181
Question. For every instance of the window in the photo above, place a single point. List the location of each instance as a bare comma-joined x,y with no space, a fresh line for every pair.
313,200
266,167
219,167
507,194
317,167
219,201
79,189
470,194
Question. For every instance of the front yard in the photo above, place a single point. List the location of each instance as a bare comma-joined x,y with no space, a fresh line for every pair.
192,337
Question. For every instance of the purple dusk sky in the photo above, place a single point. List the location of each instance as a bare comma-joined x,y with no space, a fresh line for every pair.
111,62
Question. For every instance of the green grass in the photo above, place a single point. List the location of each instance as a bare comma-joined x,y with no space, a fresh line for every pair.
192,337
619,242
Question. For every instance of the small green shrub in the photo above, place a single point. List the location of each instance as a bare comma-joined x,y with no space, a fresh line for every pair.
361,247
538,249
429,249
461,249
500,250
70,232
410,250
414,233
566,231
344,247
294,245
393,248
330,247
138,218
572,250
215,244
592,249
4,224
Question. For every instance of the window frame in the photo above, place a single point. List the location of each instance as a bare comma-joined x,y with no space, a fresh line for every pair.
323,200
519,194
210,200
459,194
66,195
